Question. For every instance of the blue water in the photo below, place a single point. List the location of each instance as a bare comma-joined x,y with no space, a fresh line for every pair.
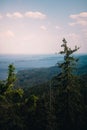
22,62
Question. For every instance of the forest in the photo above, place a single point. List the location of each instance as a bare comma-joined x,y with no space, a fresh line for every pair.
56,102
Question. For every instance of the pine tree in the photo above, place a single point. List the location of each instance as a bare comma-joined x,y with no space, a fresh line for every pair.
68,98
68,66
11,76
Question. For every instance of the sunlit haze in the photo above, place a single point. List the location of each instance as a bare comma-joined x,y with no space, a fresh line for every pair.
38,26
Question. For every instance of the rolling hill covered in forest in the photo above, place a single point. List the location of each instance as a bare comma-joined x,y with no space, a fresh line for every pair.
38,76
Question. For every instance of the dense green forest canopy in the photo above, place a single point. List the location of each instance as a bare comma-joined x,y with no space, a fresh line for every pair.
58,103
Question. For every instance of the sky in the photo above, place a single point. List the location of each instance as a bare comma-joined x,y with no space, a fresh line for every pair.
38,26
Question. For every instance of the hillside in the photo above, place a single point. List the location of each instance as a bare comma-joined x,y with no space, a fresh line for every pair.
38,76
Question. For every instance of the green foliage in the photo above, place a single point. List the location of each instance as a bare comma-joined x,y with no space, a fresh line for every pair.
11,76
12,101
56,104
32,102
69,61
68,97
37,76
2,87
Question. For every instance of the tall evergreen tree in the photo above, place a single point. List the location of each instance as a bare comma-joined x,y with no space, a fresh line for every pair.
68,98
11,76
68,66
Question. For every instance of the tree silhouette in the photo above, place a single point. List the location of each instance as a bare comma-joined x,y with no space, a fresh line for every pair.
68,98
11,76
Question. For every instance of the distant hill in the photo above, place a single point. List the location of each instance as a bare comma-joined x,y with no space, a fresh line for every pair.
38,76
82,70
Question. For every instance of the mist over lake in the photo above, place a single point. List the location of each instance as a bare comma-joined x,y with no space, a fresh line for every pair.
22,62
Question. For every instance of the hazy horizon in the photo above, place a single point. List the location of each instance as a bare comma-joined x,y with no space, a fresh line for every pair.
76,53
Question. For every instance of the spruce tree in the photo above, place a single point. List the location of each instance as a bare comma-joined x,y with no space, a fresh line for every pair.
67,75
68,98
11,76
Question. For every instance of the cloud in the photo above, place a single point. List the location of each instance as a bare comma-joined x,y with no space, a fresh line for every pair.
1,16
58,27
14,15
82,22
7,34
85,32
80,15
29,14
72,24
79,19
79,22
17,15
35,15
9,15
10,34
43,28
